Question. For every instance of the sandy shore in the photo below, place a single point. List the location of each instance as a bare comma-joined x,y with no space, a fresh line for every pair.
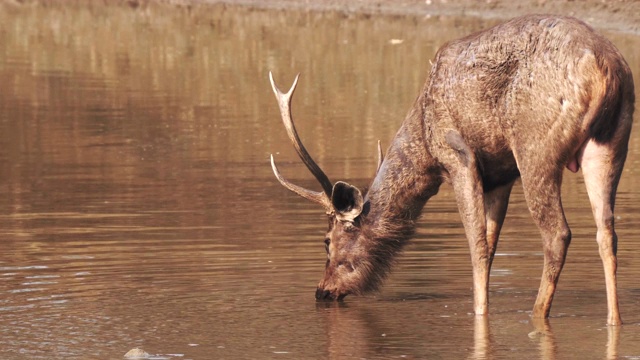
614,15
611,15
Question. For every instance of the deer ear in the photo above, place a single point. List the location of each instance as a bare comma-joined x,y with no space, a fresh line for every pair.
347,201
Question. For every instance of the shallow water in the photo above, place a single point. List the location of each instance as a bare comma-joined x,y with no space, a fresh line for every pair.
138,207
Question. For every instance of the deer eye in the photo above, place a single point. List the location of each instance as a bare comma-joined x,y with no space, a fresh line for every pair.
346,265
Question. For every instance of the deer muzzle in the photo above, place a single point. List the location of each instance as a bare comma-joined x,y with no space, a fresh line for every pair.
326,295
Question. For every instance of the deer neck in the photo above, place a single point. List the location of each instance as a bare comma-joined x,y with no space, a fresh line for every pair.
407,178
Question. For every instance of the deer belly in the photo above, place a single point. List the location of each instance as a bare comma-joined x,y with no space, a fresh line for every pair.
498,171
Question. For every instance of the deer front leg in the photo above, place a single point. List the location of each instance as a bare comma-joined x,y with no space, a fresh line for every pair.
470,204
467,185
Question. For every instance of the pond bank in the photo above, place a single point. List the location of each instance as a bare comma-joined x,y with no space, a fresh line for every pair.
614,15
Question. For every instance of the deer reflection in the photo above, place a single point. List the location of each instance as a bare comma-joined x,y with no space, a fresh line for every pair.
547,340
612,342
359,332
481,338
356,332
349,330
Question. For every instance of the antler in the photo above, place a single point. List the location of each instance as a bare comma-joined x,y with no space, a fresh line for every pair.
284,101
380,157
315,196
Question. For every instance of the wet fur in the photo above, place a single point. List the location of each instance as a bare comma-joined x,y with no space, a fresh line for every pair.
523,99
385,243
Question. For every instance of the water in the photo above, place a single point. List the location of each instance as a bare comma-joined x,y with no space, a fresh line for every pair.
138,208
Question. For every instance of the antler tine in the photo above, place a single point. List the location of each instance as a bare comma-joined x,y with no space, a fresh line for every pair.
380,157
284,102
315,196
279,94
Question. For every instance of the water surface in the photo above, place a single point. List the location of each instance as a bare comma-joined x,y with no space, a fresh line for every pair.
138,208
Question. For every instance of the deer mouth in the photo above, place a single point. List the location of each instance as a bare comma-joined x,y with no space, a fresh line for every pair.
326,295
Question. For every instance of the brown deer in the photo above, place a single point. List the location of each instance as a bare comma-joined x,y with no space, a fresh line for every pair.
525,99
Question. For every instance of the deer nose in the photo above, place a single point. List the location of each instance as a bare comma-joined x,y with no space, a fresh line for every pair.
322,294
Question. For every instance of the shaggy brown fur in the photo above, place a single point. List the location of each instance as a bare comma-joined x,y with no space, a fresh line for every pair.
523,99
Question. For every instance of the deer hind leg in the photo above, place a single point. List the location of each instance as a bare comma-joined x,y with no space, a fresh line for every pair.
601,167
542,194
496,202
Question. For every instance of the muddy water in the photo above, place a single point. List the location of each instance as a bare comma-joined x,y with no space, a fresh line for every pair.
138,209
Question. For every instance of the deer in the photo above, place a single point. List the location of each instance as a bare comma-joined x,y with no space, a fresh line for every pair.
524,99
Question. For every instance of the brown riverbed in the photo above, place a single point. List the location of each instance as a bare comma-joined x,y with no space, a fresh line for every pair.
138,207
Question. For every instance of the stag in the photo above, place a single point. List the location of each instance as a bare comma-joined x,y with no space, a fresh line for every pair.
524,99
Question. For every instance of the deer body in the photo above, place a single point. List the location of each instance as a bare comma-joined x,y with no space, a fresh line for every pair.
526,99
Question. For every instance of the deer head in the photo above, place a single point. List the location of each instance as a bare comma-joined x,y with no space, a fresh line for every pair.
351,255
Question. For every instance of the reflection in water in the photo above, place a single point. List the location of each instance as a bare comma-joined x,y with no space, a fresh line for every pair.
481,338
544,334
349,331
613,341
138,208
546,339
